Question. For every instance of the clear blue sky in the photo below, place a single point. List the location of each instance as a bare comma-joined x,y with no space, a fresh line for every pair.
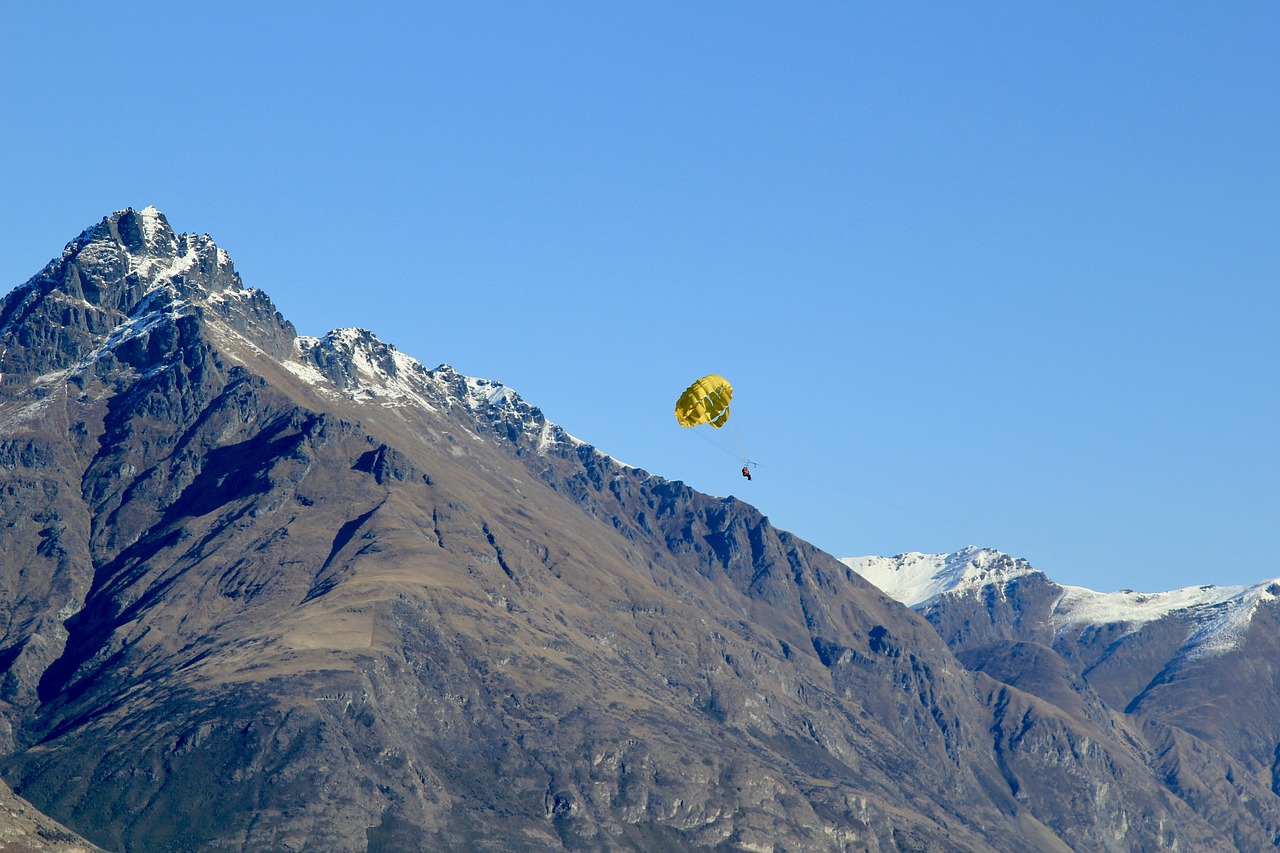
1005,274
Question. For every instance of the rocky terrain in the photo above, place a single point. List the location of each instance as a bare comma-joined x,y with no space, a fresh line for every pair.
266,592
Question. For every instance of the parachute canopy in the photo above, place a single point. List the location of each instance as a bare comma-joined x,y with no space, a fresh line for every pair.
705,402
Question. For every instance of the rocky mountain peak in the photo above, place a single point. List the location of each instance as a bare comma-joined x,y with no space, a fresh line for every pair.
357,362
145,232
133,252
121,282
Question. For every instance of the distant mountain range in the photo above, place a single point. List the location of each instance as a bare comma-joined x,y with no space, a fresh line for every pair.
1211,624
1217,619
1194,671
260,592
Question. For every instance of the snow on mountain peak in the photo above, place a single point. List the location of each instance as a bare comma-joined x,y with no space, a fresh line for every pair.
1219,615
355,364
363,368
366,370
914,578
132,274
153,223
141,246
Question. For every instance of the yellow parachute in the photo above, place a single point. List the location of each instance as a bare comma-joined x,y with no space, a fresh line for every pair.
706,401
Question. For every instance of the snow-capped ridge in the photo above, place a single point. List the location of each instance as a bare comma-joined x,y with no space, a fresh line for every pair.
355,364
915,578
1219,615
367,370
363,368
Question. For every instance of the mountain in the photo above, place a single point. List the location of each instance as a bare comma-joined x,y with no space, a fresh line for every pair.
24,829
1195,669
266,592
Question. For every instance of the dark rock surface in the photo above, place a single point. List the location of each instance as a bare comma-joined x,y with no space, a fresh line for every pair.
263,592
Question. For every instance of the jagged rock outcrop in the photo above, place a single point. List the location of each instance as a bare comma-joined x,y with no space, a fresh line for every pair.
268,592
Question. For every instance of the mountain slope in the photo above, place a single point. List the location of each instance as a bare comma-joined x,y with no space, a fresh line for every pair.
269,592
1189,673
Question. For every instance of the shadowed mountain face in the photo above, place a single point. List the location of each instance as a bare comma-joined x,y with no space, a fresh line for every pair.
266,592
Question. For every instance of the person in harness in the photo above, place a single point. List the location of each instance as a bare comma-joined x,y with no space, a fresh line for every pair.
746,471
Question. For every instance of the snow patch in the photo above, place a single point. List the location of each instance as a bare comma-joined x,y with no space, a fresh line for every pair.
152,223
143,324
486,392
161,269
236,293
30,413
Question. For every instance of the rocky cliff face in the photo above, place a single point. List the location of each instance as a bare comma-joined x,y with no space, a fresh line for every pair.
265,592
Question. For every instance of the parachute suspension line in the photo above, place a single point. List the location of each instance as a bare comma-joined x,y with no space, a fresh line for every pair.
735,432
717,445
